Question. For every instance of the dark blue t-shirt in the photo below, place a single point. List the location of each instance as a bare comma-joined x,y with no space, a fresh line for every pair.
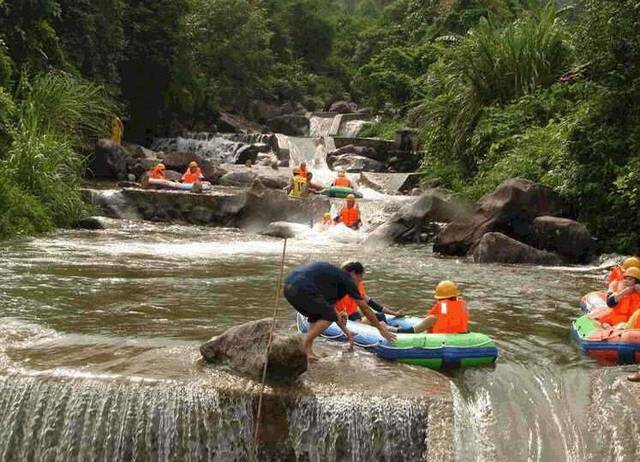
331,282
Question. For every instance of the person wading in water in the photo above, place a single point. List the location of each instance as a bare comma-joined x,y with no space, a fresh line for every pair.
313,291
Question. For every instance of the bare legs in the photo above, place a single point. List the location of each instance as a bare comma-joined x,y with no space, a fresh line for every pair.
315,329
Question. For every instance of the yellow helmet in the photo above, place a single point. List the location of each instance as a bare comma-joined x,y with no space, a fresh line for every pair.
351,197
631,262
193,163
633,272
161,166
327,215
446,289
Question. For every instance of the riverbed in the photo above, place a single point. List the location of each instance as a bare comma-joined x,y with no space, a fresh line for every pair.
131,305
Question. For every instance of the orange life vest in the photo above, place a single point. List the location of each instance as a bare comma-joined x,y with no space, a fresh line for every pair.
342,181
626,306
158,173
453,317
348,304
192,177
616,274
350,216
303,172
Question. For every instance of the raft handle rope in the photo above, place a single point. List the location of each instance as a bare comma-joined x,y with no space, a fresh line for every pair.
256,433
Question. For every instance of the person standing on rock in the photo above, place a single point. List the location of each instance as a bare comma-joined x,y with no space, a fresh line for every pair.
313,291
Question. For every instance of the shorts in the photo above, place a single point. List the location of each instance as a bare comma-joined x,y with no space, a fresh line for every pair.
308,302
357,316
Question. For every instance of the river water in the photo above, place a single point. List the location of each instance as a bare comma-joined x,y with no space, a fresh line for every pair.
130,306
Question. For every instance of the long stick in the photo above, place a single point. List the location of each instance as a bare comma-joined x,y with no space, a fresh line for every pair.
256,433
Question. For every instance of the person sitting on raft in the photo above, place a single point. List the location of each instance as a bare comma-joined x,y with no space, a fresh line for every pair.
342,180
349,306
301,170
193,174
449,315
298,186
617,272
350,214
158,172
622,303
313,290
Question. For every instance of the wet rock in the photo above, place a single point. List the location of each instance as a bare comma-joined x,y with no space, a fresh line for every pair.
97,223
128,184
510,210
290,124
498,248
566,237
355,164
364,151
343,107
390,183
109,161
179,161
244,178
243,348
246,153
415,221
284,229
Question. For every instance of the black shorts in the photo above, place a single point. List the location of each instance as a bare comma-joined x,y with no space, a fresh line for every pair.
309,303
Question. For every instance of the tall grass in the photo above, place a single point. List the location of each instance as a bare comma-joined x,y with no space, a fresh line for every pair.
56,118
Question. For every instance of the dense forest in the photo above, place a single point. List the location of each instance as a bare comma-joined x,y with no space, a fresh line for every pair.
494,88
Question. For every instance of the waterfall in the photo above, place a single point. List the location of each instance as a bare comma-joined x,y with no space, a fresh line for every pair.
351,128
321,125
63,420
216,149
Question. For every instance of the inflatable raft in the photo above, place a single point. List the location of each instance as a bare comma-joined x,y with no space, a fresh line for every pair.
339,191
593,301
174,185
434,351
614,345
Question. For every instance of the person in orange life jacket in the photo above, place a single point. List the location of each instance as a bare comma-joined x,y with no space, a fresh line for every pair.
193,174
623,302
301,170
158,172
313,291
617,272
348,305
449,315
342,180
350,214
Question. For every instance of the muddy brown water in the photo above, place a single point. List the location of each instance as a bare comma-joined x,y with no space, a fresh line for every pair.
130,306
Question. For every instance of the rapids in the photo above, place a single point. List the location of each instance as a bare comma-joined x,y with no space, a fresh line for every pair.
100,329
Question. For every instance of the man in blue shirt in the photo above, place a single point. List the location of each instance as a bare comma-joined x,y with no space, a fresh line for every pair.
313,291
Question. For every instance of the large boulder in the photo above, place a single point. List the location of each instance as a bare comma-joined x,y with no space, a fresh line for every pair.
263,111
179,161
355,164
510,210
243,347
97,222
109,161
240,178
417,220
567,237
343,107
498,248
290,124
228,122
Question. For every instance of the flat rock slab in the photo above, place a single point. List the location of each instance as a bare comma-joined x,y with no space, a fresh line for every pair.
389,183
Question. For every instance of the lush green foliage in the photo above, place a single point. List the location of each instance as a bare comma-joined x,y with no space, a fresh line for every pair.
41,164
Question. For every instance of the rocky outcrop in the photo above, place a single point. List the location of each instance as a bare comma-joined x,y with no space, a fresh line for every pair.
228,122
343,107
290,124
510,210
498,248
179,162
355,164
284,229
109,161
531,215
243,347
417,221
390,183
251,209
566,237
244,178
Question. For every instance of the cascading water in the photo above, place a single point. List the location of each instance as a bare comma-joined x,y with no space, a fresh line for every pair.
216,149
351,128
320,126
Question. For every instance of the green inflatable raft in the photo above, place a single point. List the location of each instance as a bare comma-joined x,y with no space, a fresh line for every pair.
339,191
